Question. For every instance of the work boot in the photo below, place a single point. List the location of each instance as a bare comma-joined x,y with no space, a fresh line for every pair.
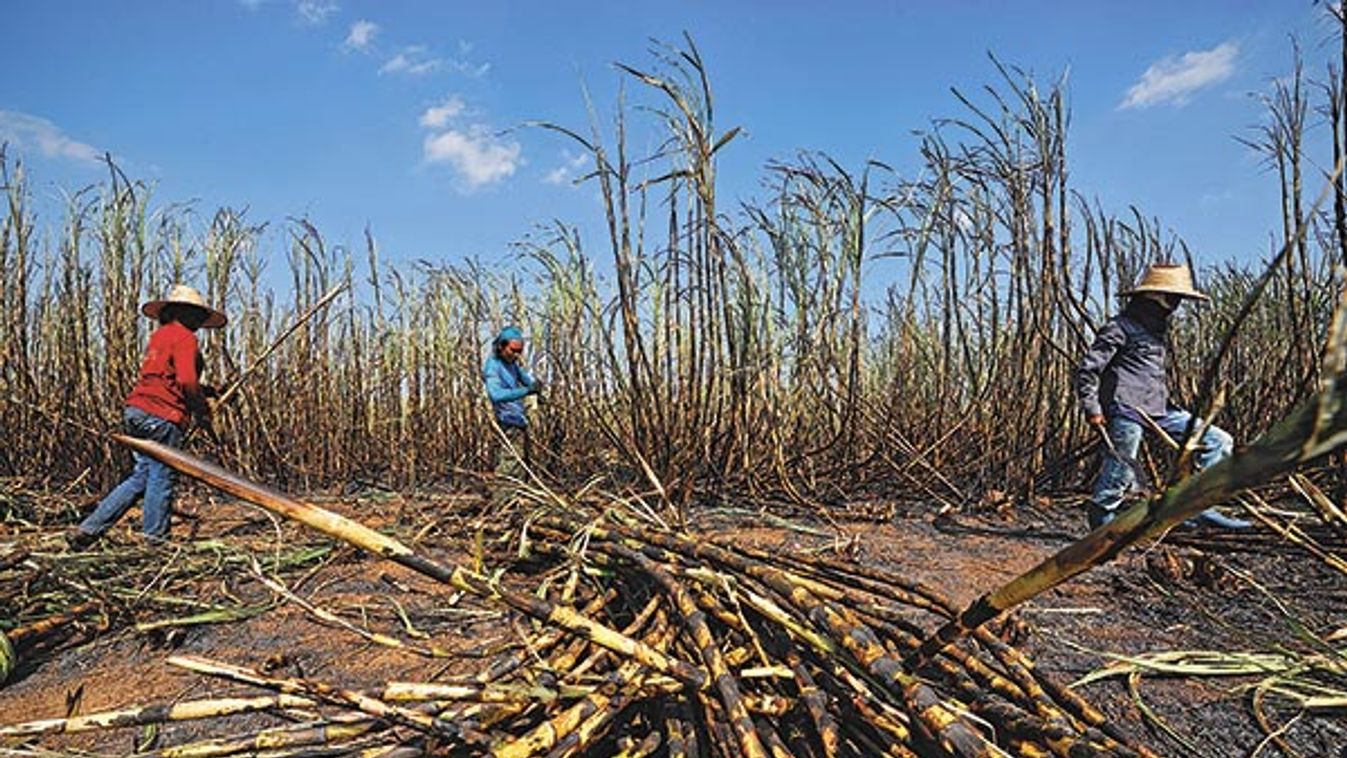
1214,518
78,539
1098,516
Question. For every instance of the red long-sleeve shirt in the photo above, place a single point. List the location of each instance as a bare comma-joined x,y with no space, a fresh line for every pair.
169,385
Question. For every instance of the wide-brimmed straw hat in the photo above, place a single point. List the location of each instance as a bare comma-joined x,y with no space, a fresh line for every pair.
181,294
1168,278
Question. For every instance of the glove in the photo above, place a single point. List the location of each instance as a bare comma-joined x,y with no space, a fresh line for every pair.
209,391
536,387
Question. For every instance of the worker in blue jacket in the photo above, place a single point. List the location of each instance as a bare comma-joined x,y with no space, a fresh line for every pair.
1121,387
507,384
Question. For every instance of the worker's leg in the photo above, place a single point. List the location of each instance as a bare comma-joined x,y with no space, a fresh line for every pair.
1116,478
1214,445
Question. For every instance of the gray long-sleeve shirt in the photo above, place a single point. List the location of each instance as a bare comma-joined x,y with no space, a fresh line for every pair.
1123,369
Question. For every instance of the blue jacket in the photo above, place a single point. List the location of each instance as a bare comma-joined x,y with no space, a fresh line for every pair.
507,384
1124,370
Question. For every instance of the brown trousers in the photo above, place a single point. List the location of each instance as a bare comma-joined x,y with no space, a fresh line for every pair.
510,461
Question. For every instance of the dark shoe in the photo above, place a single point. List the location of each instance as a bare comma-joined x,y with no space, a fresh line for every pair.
154,542
78,539
1213,517
1098,516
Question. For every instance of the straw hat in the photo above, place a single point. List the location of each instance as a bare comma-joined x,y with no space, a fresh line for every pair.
181,294
1169,278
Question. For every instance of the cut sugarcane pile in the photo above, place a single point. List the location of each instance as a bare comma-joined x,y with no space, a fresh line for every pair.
763,654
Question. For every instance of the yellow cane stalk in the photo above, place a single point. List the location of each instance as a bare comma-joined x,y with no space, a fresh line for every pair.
340,527
156,714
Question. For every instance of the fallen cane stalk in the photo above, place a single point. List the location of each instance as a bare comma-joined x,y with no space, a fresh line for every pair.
156,714
8,658
271,742
349,698
725,684
16,640
362,536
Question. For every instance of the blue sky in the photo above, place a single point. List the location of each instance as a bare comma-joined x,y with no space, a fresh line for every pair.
403,115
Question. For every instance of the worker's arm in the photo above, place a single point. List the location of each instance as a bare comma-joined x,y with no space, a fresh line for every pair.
186,357
1091,369
496,389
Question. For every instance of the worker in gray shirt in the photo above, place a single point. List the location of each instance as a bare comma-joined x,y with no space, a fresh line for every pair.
1121,386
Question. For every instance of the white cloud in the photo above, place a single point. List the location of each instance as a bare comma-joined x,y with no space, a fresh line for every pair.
413,61
563,173
477,157
1173,79
462,65
473,70
315,11
23,130
438,116
361,35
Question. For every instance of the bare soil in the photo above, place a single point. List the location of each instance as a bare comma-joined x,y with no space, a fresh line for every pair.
1197,590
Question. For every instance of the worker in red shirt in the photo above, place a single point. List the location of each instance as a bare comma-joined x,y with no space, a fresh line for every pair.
168,392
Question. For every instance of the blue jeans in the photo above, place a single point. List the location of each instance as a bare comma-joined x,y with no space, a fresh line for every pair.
150,479
1116,477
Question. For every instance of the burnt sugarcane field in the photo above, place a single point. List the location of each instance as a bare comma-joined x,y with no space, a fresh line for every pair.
938,453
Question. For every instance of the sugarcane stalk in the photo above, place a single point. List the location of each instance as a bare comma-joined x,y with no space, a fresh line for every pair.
25,636
506,663
1292,533
295,735
394,751
643,748
155,714
749,743
14,558
1331,513
1038,686
550,733
478,693
342,528
1021,670
565,661
327,693
9,658
771,740
946,728
1050,719
815,701
595,725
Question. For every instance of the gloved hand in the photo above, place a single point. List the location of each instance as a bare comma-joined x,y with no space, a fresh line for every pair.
536,387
